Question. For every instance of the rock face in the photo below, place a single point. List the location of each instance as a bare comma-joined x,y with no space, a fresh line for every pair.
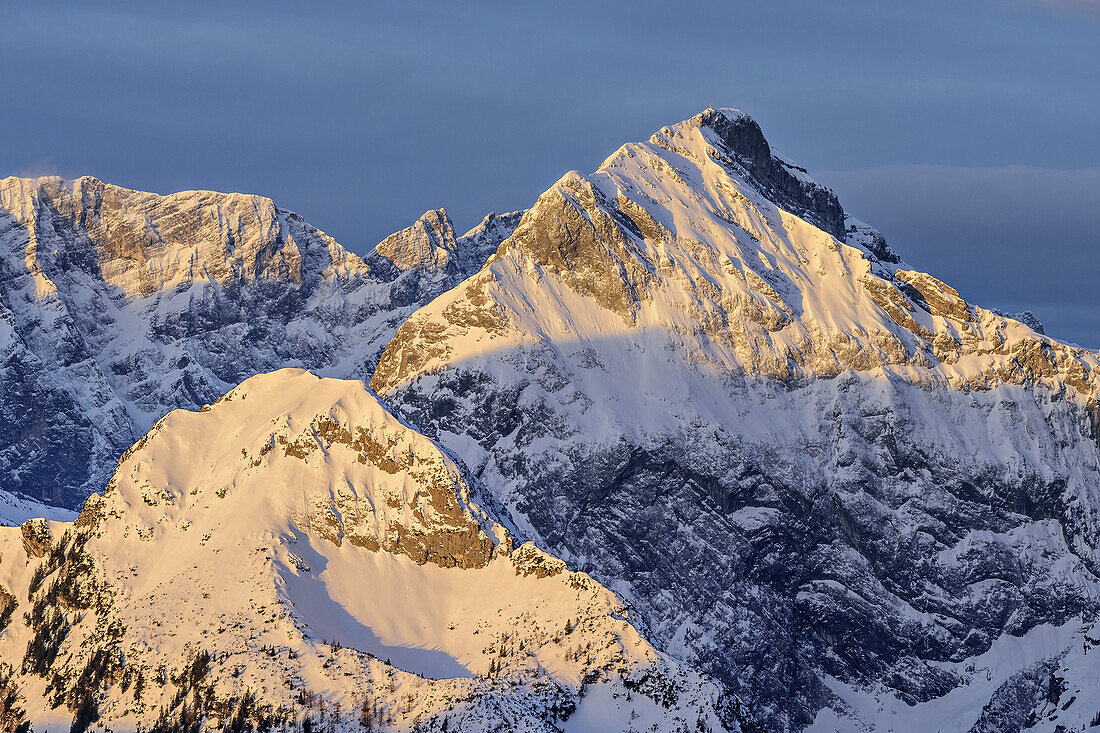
781,181
294,551
821,475
428,257
117,306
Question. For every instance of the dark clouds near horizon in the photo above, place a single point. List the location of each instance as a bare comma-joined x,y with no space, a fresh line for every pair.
966,131
1015,238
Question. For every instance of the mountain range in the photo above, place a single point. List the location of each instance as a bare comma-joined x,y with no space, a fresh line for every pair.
683,446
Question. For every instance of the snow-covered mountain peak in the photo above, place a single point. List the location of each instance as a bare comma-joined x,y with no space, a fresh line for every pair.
427,244
693,370
735,142
318,558
431,247
480,242
741,261
322,452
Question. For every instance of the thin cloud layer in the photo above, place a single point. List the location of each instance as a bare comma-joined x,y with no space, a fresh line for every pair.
1014,237
1091,7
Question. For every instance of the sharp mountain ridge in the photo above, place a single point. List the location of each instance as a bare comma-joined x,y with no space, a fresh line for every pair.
823,476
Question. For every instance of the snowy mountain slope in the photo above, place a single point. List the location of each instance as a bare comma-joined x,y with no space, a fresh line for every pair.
17,510
294,550
117,306
694,375
1045,680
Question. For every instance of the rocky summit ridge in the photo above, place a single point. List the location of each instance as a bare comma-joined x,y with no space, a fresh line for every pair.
822,475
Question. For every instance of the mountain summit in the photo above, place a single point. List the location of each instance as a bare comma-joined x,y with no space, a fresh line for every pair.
295,552
817,471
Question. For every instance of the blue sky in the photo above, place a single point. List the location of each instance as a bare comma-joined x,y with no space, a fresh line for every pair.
966,131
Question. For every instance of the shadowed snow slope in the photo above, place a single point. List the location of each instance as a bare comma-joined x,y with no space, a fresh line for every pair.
693,374
296,542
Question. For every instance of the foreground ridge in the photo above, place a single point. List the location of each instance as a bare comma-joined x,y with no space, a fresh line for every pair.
294,553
